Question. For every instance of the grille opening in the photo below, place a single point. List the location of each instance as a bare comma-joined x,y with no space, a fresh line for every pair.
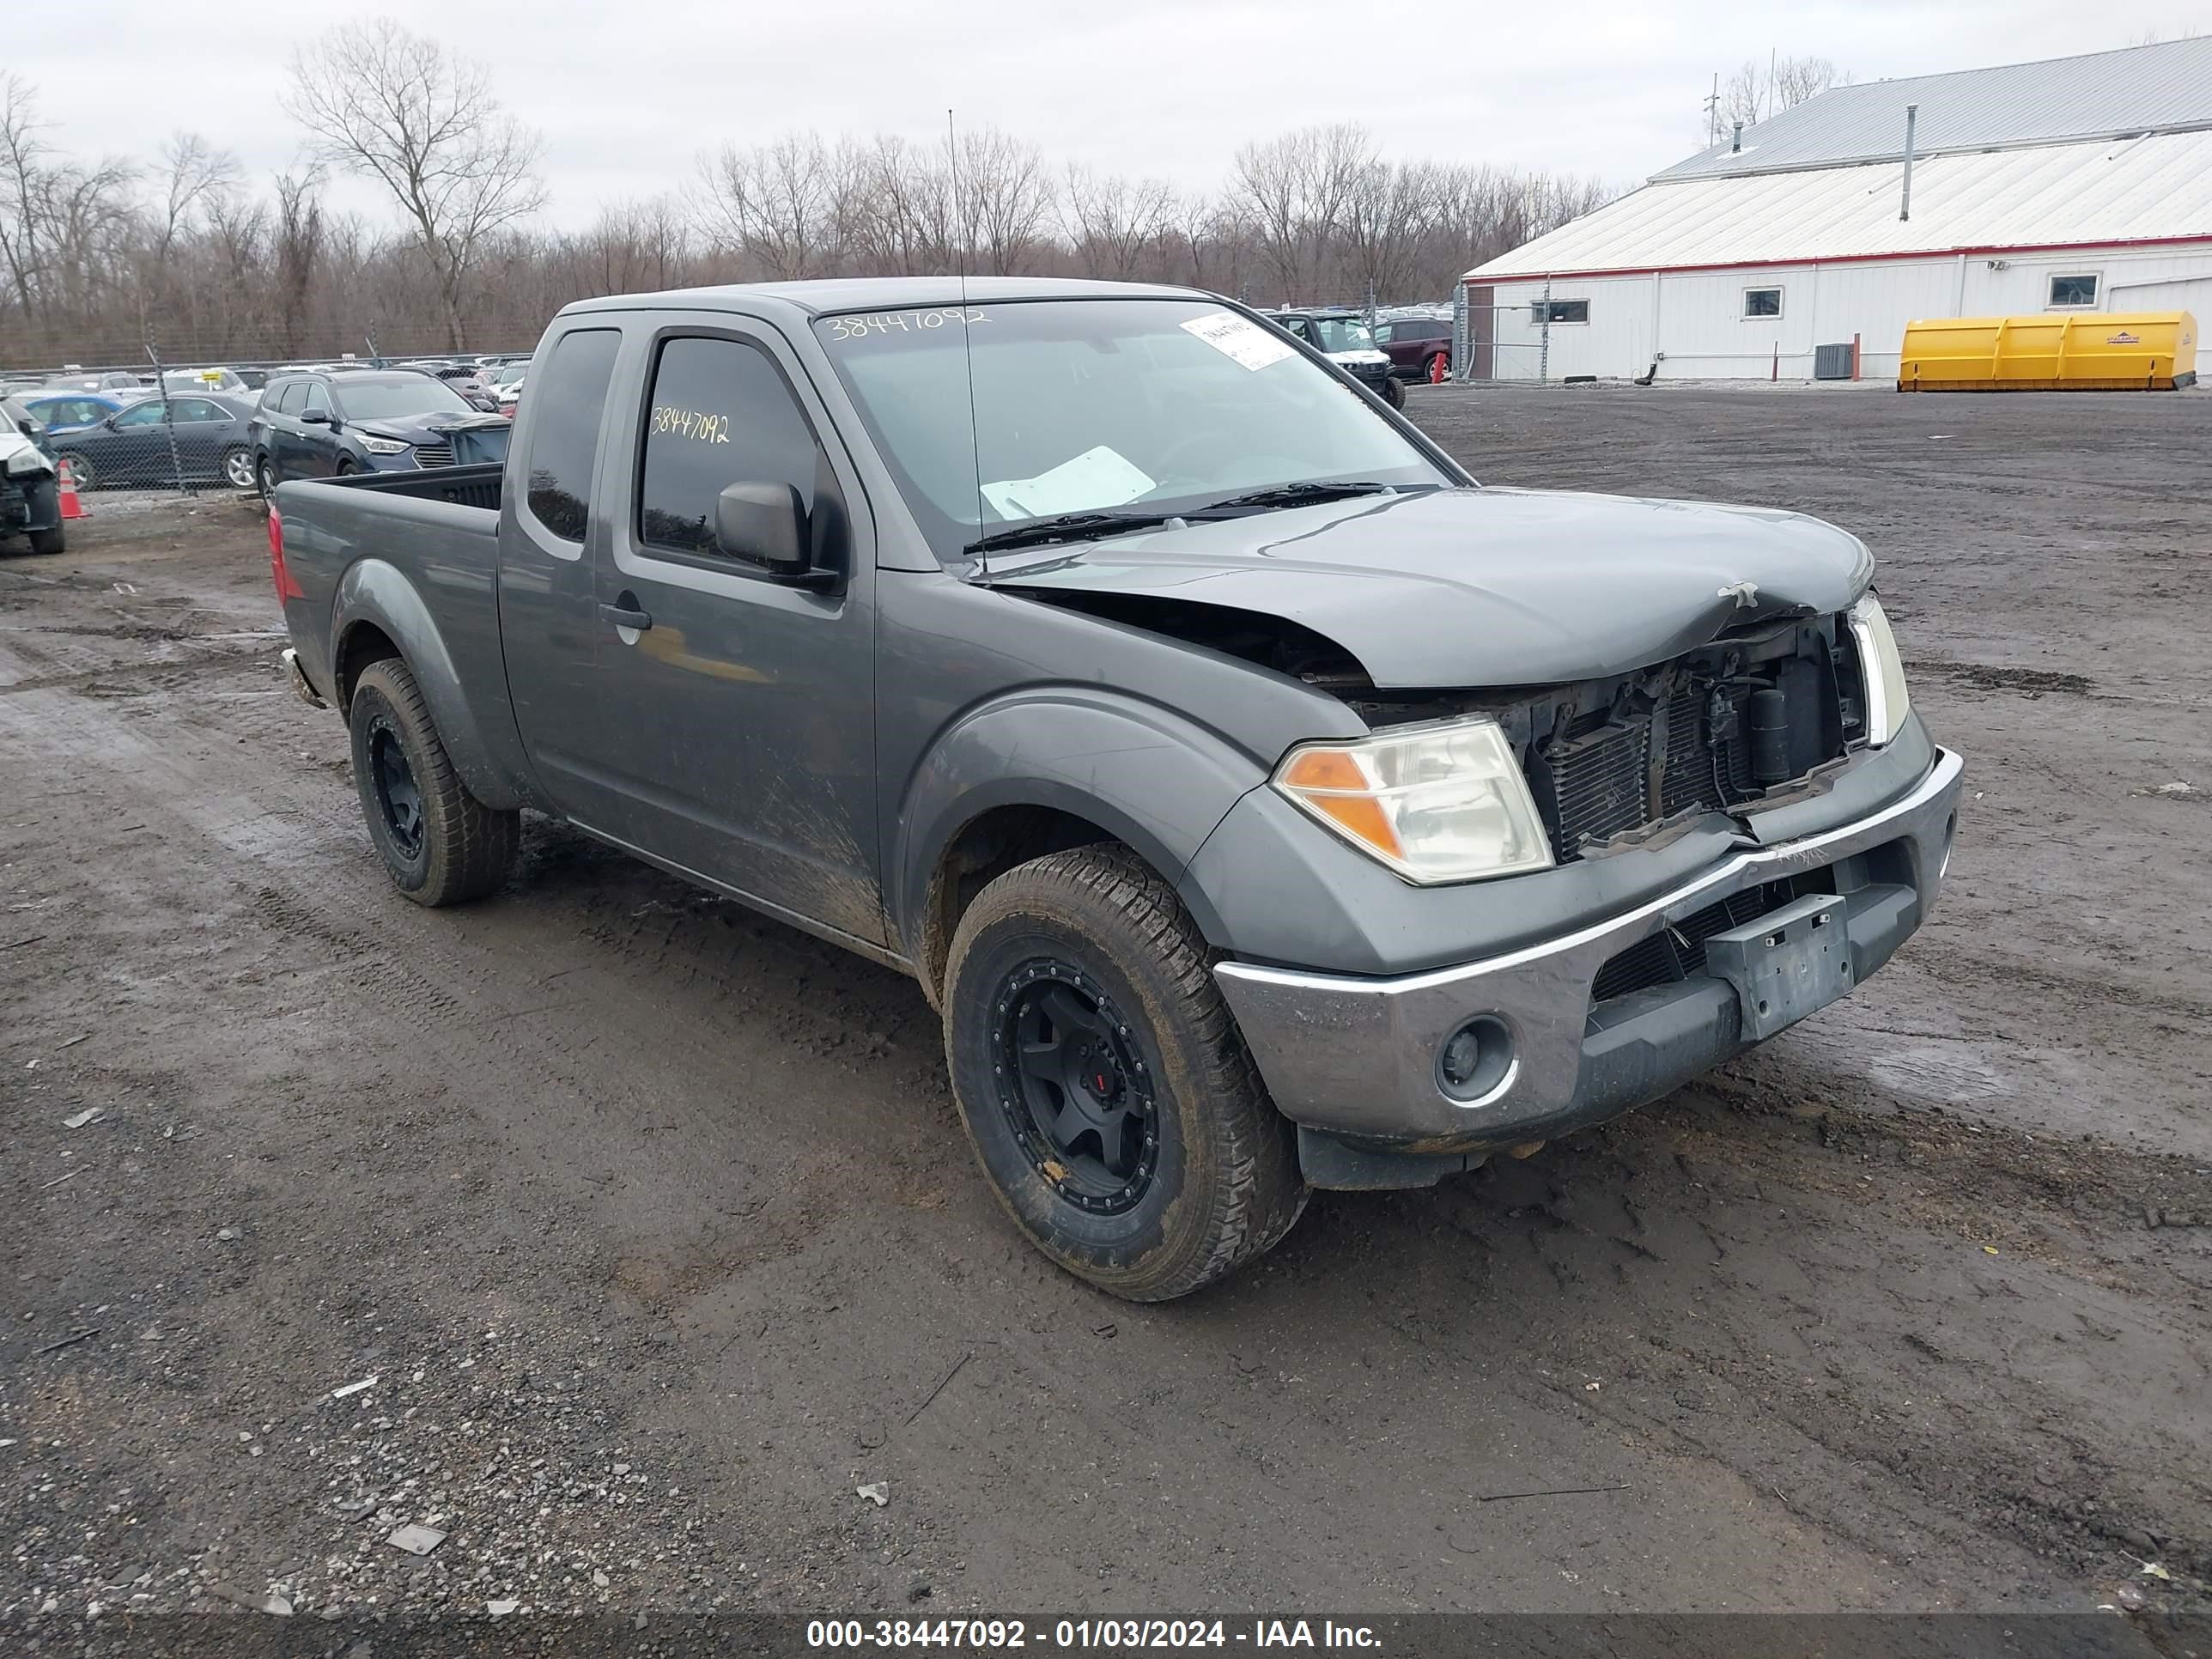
1671,957
1620,757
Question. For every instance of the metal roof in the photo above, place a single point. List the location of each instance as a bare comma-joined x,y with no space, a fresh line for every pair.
2157,88
2153,189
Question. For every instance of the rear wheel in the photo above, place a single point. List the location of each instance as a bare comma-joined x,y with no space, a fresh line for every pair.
440,844
1104,1085
1434,370
237,467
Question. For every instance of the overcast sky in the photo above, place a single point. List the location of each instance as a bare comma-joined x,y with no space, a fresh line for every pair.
627,95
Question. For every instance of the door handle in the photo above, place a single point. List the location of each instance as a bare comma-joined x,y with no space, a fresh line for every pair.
625,617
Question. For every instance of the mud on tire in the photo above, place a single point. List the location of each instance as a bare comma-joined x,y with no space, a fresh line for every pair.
1104,1085
440,844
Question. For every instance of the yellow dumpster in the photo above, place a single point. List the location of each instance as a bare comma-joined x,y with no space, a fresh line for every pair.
2056,351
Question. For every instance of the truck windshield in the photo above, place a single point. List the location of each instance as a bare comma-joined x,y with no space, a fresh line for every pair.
1080,405
382,399
1343,334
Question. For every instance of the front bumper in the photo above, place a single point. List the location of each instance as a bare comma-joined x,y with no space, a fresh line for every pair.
1357,1058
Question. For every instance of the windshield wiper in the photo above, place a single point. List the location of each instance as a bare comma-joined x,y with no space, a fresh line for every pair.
1065,527
1298,495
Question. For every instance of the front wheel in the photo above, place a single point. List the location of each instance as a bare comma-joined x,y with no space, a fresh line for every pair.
1104,1085
264,479
1393,393
81,471
440,844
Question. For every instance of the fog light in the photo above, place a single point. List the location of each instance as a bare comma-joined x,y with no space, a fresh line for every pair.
1476,1061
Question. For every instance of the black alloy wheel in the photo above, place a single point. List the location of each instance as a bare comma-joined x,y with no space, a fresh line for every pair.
1074,1089
397,795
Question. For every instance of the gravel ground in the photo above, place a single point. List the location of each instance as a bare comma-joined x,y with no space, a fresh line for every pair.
649,1227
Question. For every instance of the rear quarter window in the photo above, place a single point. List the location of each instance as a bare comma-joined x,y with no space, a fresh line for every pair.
565,415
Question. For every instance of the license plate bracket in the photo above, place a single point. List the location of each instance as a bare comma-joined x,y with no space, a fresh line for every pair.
1787,963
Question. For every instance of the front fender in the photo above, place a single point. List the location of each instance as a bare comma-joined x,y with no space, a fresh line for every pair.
375,593
1143,772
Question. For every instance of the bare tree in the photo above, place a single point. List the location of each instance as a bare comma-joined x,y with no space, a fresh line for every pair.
1292,193
195,177
1114,225
1005,199
774,204
1760,91
299,249
392,105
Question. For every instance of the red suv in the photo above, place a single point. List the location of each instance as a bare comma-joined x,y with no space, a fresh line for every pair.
1419,348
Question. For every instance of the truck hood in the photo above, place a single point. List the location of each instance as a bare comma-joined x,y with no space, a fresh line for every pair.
1459,588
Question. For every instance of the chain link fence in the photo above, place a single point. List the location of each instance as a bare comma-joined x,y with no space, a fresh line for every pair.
136,417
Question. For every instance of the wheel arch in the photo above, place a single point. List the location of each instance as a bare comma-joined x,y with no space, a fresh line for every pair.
379,615
1043,771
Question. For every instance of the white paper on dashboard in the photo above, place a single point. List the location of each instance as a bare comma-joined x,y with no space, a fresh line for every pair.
1098,477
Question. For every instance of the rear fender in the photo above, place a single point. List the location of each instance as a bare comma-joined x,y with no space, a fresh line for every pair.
375,593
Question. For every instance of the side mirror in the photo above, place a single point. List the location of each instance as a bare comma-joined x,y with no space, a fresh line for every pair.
764,523
316,417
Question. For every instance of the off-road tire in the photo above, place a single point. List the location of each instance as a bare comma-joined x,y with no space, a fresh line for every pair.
49,541
1226,1185
1393,393
465,847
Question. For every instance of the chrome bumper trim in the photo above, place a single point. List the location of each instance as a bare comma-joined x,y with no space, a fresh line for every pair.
1358,1056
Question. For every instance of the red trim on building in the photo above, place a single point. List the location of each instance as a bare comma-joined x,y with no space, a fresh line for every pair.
1839,259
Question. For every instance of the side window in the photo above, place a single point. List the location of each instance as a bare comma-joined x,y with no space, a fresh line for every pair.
720,415
196,409
146,413
1385,333
318,398
291,397
2077,291
564,432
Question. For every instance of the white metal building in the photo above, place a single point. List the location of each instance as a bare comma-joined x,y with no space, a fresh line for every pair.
2075,184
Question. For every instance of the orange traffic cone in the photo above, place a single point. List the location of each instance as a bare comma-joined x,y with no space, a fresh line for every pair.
71,508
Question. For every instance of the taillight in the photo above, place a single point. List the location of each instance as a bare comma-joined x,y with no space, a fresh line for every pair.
286,588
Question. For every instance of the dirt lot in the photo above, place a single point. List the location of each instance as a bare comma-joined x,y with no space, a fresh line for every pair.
653,1224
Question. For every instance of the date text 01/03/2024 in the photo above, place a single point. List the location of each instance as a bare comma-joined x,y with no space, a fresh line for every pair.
1087,1633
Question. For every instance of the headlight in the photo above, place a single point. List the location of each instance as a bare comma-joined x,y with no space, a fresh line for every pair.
1883,671
24,462
1437,803
385,446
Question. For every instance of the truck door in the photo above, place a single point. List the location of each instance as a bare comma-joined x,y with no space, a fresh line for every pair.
738,715
552,525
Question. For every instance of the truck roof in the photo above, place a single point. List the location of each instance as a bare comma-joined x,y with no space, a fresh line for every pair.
821,298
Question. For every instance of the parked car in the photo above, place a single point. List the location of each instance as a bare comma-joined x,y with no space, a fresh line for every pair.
116,383
71,411
1419,348
1341,335
331,423
1265,803
148,445
464,379
229,381
508,393
30,485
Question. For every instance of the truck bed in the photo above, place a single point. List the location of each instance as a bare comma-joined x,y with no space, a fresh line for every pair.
463,486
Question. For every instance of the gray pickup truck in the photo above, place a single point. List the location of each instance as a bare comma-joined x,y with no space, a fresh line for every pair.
1264,804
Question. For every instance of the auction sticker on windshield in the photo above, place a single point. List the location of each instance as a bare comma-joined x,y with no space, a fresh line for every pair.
1240,341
